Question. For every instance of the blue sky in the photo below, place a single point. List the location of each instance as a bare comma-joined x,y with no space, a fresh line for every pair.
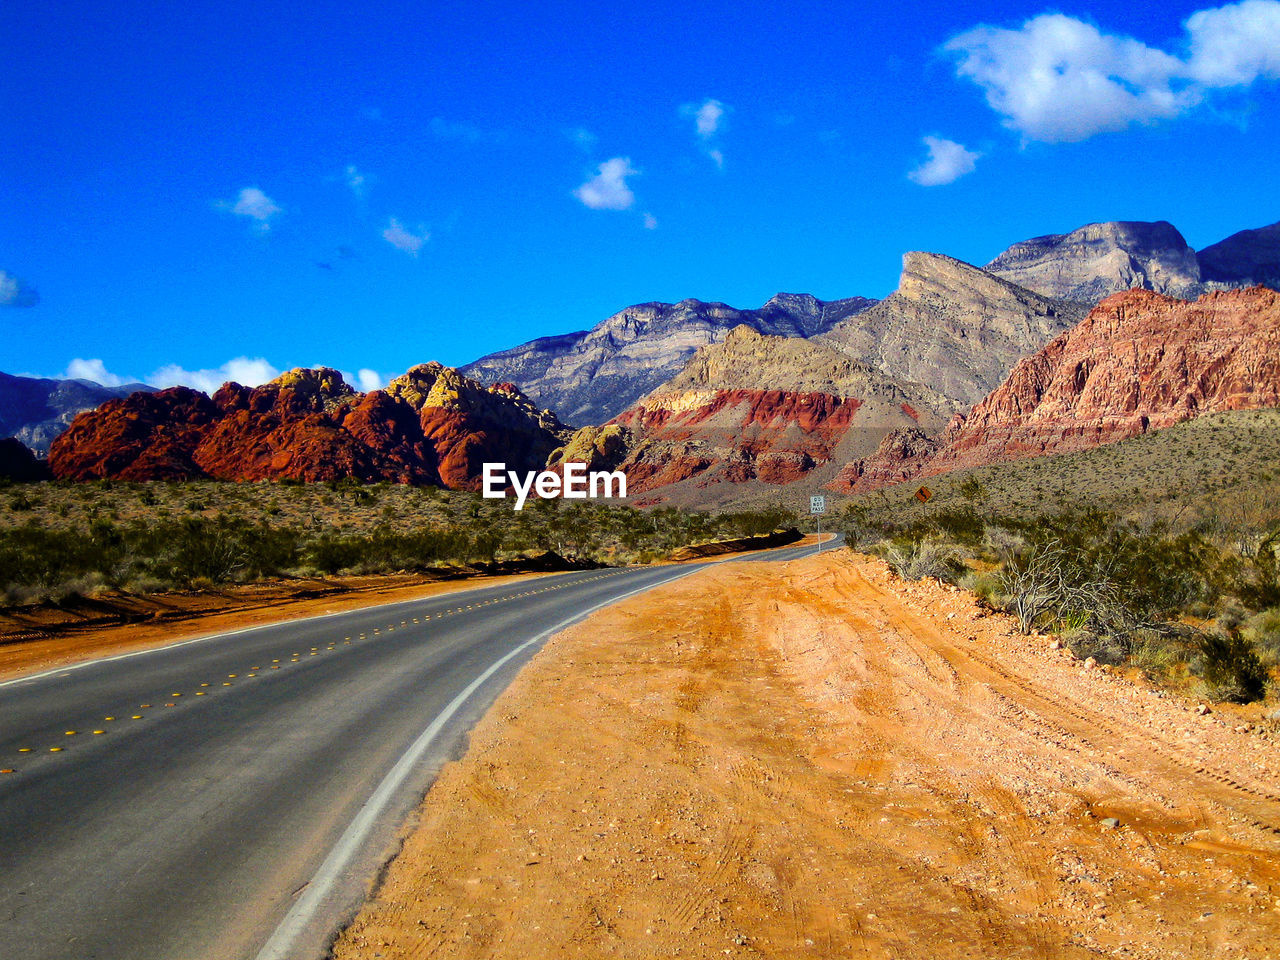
194,190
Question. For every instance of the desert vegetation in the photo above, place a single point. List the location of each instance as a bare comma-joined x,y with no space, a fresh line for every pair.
1194,604
64,540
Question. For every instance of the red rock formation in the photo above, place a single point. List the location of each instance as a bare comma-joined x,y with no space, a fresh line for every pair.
748,413
430,426
144,436
1139,361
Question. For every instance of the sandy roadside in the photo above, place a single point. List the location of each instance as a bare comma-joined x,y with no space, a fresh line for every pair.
815,759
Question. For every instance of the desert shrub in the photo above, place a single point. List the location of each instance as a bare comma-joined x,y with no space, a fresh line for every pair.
1231,668
985,585
1156,653
1258,577
917,559
1047,580
1263,630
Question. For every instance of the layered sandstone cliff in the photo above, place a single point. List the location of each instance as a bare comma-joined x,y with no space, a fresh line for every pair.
1099,259
1140,361
753,410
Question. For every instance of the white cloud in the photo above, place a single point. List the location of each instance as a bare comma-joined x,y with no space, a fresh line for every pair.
95,370
1234,45
253,203
608,189
16,292
401,238
355,180
370,379
948,161
706,116
1060,79
650,222
249,371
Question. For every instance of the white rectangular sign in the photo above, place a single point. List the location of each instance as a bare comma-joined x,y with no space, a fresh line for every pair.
818,504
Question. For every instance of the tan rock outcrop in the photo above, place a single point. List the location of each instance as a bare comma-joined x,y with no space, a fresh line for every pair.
952,327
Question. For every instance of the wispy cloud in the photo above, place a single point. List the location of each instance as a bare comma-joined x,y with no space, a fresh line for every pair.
254,204
367,379
708,121
355,181
706,116
583,138
16,292
1060,79
404,239
650,222
608,189
94,370
947,161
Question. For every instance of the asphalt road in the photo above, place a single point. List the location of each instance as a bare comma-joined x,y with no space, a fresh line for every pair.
235,796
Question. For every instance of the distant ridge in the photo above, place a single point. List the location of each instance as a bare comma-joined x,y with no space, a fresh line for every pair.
593,375
37,409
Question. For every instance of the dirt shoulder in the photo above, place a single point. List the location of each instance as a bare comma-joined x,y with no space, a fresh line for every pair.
814,759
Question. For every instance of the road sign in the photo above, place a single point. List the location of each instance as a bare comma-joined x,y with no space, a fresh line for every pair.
924,494
817,507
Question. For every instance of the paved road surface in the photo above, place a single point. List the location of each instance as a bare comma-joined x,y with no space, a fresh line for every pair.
233,797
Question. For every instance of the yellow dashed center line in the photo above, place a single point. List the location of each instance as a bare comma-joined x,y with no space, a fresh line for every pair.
314,650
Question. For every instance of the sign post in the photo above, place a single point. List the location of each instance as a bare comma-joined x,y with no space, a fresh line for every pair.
817,507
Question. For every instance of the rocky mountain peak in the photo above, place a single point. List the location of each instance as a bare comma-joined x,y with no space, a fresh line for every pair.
592,376
1247,257
1099,259
952,326
323,385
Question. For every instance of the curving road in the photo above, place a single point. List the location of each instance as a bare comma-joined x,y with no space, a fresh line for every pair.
235,796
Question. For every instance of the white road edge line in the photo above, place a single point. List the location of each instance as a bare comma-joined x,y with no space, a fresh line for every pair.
279,945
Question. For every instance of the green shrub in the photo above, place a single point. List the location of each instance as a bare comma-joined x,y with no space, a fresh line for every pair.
1231,669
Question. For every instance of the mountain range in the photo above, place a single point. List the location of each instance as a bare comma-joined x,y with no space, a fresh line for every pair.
701,403
591,376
